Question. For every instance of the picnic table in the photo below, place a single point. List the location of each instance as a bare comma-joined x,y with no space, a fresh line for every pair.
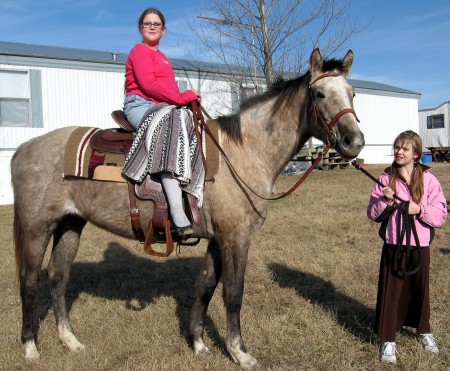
440,154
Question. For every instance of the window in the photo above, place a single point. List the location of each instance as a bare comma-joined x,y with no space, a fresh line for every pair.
241,91
182,85
20,98
435,122
247,91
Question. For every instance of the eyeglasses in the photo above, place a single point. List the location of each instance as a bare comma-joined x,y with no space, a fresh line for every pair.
152,24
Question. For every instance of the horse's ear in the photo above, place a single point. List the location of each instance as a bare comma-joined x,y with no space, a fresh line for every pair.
347,62
315,63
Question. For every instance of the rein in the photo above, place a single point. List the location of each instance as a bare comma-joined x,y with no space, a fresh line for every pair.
313,112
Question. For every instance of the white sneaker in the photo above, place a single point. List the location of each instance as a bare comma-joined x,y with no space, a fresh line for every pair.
388,351
429,343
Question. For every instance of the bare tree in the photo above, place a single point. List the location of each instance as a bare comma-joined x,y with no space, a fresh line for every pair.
261,39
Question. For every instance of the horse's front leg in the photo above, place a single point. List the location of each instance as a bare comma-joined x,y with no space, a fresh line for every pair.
234,257
206,284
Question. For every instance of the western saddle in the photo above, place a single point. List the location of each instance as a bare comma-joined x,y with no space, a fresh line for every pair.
159,231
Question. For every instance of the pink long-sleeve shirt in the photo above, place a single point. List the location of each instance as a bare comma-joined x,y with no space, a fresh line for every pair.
149,73
433,208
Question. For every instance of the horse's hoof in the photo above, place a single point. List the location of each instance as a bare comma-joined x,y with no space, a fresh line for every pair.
244,359
69,340
75,347
247,361
200,348
31,352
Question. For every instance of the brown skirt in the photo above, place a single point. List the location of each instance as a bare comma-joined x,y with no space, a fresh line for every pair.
402,300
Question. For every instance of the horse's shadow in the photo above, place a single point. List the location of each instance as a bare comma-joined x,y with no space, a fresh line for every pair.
135,280
353,316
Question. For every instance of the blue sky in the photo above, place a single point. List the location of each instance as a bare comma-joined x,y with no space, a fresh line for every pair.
405,43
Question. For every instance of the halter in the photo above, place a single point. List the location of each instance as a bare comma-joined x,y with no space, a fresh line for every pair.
314,112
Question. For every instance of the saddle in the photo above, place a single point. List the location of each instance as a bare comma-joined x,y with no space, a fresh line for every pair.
159,231
114,140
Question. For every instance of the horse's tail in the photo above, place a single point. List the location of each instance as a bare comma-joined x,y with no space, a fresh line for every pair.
18,241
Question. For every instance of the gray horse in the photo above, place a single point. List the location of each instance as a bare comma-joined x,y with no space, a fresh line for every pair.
259,141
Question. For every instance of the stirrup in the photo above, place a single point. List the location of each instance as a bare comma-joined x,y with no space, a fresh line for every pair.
168,237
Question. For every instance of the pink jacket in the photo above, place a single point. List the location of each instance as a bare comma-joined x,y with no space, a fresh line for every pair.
149,73
433,208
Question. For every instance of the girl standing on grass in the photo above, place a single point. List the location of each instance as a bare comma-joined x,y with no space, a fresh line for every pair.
403,296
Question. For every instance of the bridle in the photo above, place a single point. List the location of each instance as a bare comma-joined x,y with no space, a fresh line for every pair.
313,114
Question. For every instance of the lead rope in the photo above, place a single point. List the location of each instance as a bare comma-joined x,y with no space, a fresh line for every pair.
405,224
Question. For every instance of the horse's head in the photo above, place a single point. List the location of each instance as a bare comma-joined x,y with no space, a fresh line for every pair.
330,111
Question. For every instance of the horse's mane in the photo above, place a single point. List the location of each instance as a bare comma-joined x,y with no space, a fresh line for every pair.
283,90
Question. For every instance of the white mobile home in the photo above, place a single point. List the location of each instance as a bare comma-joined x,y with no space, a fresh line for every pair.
434,126
43,88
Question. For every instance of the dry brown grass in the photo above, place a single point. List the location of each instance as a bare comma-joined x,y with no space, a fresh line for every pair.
308,305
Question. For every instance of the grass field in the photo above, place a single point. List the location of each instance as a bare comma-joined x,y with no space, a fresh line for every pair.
309,300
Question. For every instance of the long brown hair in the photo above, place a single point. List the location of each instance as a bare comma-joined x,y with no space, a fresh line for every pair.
416,183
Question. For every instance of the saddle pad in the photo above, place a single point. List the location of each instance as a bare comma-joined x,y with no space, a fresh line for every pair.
80,160
109,173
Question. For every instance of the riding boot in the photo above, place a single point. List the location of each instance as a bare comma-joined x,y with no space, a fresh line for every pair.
174,198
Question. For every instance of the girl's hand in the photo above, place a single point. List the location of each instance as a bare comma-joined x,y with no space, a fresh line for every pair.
388,194
413,208
197,94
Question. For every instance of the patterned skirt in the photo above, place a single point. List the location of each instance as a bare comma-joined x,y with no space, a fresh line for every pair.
166,142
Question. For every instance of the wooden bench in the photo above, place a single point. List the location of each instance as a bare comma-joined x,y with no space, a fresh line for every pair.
440,154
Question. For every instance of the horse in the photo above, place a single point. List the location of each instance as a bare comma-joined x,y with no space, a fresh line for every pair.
258,141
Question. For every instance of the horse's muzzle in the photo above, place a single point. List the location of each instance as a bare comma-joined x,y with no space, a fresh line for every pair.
349,145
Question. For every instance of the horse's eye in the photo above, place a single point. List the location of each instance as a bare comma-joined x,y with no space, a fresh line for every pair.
320,95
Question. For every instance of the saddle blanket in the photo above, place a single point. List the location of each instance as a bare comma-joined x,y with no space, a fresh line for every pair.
80,160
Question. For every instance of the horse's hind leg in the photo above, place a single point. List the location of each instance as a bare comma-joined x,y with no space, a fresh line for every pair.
206,285
30,262
66,240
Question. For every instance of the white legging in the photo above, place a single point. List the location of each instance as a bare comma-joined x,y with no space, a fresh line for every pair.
174,198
